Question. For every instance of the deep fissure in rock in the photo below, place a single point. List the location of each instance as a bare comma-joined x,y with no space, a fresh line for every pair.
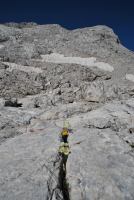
12,103
63,184
57,184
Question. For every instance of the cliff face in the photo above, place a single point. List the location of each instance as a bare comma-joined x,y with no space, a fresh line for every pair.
48,75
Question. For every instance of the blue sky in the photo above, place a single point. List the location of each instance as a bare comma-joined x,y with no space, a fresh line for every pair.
116,14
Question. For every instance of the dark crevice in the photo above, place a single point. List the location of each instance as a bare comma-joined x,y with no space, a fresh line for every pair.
131,144
11,103
131,130
58,187
63,184
97,127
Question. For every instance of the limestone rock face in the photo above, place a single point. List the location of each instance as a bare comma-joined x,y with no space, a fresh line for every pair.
49,75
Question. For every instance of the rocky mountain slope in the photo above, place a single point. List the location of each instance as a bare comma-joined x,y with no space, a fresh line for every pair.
48,75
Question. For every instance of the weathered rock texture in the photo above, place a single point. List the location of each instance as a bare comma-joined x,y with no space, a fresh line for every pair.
47,75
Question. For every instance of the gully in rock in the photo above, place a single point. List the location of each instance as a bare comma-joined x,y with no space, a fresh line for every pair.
59,189
64,151
63,184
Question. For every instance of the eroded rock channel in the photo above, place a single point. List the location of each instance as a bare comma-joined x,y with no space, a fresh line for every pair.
58,186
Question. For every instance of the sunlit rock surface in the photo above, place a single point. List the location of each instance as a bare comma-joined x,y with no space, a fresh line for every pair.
48,75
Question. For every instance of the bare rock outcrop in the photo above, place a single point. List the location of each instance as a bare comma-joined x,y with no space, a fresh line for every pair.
49,75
